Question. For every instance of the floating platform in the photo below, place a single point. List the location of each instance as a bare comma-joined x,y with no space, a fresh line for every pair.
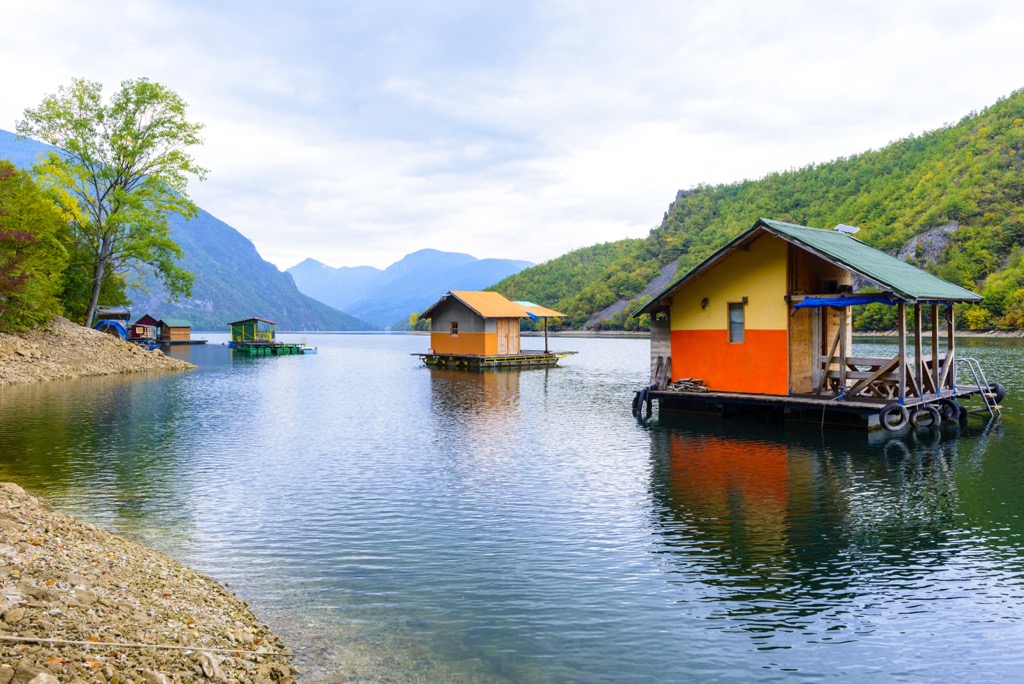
271,348
524,359
851,412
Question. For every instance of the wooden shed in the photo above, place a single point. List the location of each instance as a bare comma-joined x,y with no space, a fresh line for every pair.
175,331
252,330
767,319
482,328
146,328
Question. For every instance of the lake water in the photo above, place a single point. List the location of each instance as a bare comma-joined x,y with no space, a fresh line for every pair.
399,523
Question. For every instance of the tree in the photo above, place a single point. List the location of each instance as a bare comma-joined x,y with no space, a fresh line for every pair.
32,257
121,169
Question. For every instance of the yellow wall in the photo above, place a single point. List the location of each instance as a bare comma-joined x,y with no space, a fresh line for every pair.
759,274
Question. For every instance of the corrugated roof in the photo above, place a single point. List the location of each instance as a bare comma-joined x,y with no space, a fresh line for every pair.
492,305
886,270
176,323
905,281
246,320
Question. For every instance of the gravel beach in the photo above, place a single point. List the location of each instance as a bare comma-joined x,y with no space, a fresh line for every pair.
83,605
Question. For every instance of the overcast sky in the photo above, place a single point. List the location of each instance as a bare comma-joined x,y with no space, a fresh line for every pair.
356,132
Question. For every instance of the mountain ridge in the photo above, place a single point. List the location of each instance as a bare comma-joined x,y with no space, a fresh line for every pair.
386,297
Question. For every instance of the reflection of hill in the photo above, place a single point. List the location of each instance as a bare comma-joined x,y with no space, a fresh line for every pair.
71,436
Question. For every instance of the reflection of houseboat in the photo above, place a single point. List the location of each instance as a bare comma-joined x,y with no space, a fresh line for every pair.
481,330
257,337
764,324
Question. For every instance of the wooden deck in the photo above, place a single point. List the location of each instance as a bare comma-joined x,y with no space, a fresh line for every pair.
524,359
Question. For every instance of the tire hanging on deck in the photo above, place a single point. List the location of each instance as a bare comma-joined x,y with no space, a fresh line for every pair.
950,410
934,419
894,417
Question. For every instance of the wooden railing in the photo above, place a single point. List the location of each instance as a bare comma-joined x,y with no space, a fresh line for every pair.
880,377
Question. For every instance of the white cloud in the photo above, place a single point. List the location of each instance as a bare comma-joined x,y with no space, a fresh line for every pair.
358,132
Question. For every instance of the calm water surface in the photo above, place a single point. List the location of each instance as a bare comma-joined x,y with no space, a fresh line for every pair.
399,523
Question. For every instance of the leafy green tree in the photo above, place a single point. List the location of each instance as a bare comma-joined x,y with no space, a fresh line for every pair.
32,258
122,168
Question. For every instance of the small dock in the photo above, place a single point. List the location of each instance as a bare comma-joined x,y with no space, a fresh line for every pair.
524,359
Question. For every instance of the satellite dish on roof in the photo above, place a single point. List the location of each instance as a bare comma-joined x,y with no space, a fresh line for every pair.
843,228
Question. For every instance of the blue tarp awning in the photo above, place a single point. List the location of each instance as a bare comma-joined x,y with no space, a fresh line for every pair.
851,300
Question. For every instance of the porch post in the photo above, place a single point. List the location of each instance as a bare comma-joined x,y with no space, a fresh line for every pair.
936,374
901,315
950,372
842,348
918,349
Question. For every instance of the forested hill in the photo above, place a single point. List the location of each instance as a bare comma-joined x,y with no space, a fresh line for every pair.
964,183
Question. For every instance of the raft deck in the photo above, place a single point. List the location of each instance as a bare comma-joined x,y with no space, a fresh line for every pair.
524,359
850,411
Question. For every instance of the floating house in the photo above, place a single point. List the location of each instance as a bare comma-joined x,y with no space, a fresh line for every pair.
764,324
481,330
146,329
256,337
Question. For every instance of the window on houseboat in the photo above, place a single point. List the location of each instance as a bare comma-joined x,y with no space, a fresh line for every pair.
455,328
736,323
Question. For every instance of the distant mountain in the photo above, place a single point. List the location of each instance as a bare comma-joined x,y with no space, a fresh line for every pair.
387,297
232,280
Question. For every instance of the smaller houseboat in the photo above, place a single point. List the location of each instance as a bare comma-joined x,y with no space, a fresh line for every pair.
256,337
763,325
480,330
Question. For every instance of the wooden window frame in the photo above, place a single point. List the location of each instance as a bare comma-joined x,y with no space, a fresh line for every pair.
737,306
454,329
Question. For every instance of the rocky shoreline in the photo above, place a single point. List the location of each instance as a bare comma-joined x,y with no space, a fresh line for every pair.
83,605
64,351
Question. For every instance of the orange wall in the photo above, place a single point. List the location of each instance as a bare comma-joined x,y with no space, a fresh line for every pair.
758,366
464,343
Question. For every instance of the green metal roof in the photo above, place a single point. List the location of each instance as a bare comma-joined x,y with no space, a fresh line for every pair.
888,271
176,323
905,281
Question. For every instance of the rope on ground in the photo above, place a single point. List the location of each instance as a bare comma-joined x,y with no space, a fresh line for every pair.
71,642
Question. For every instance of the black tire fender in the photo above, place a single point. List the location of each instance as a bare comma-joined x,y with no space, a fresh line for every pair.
919,412
998,390
893,411
950,410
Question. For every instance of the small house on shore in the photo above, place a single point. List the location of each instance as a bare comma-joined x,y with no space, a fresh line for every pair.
146,328
175,331
481,329
765,322
113,320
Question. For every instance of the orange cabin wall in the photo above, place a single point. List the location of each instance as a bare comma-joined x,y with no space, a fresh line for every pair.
758,366
477,343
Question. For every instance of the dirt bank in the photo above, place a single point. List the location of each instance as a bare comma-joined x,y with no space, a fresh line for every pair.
65,351
83,605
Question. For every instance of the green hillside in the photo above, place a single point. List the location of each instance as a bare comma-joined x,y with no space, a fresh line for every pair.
970,174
